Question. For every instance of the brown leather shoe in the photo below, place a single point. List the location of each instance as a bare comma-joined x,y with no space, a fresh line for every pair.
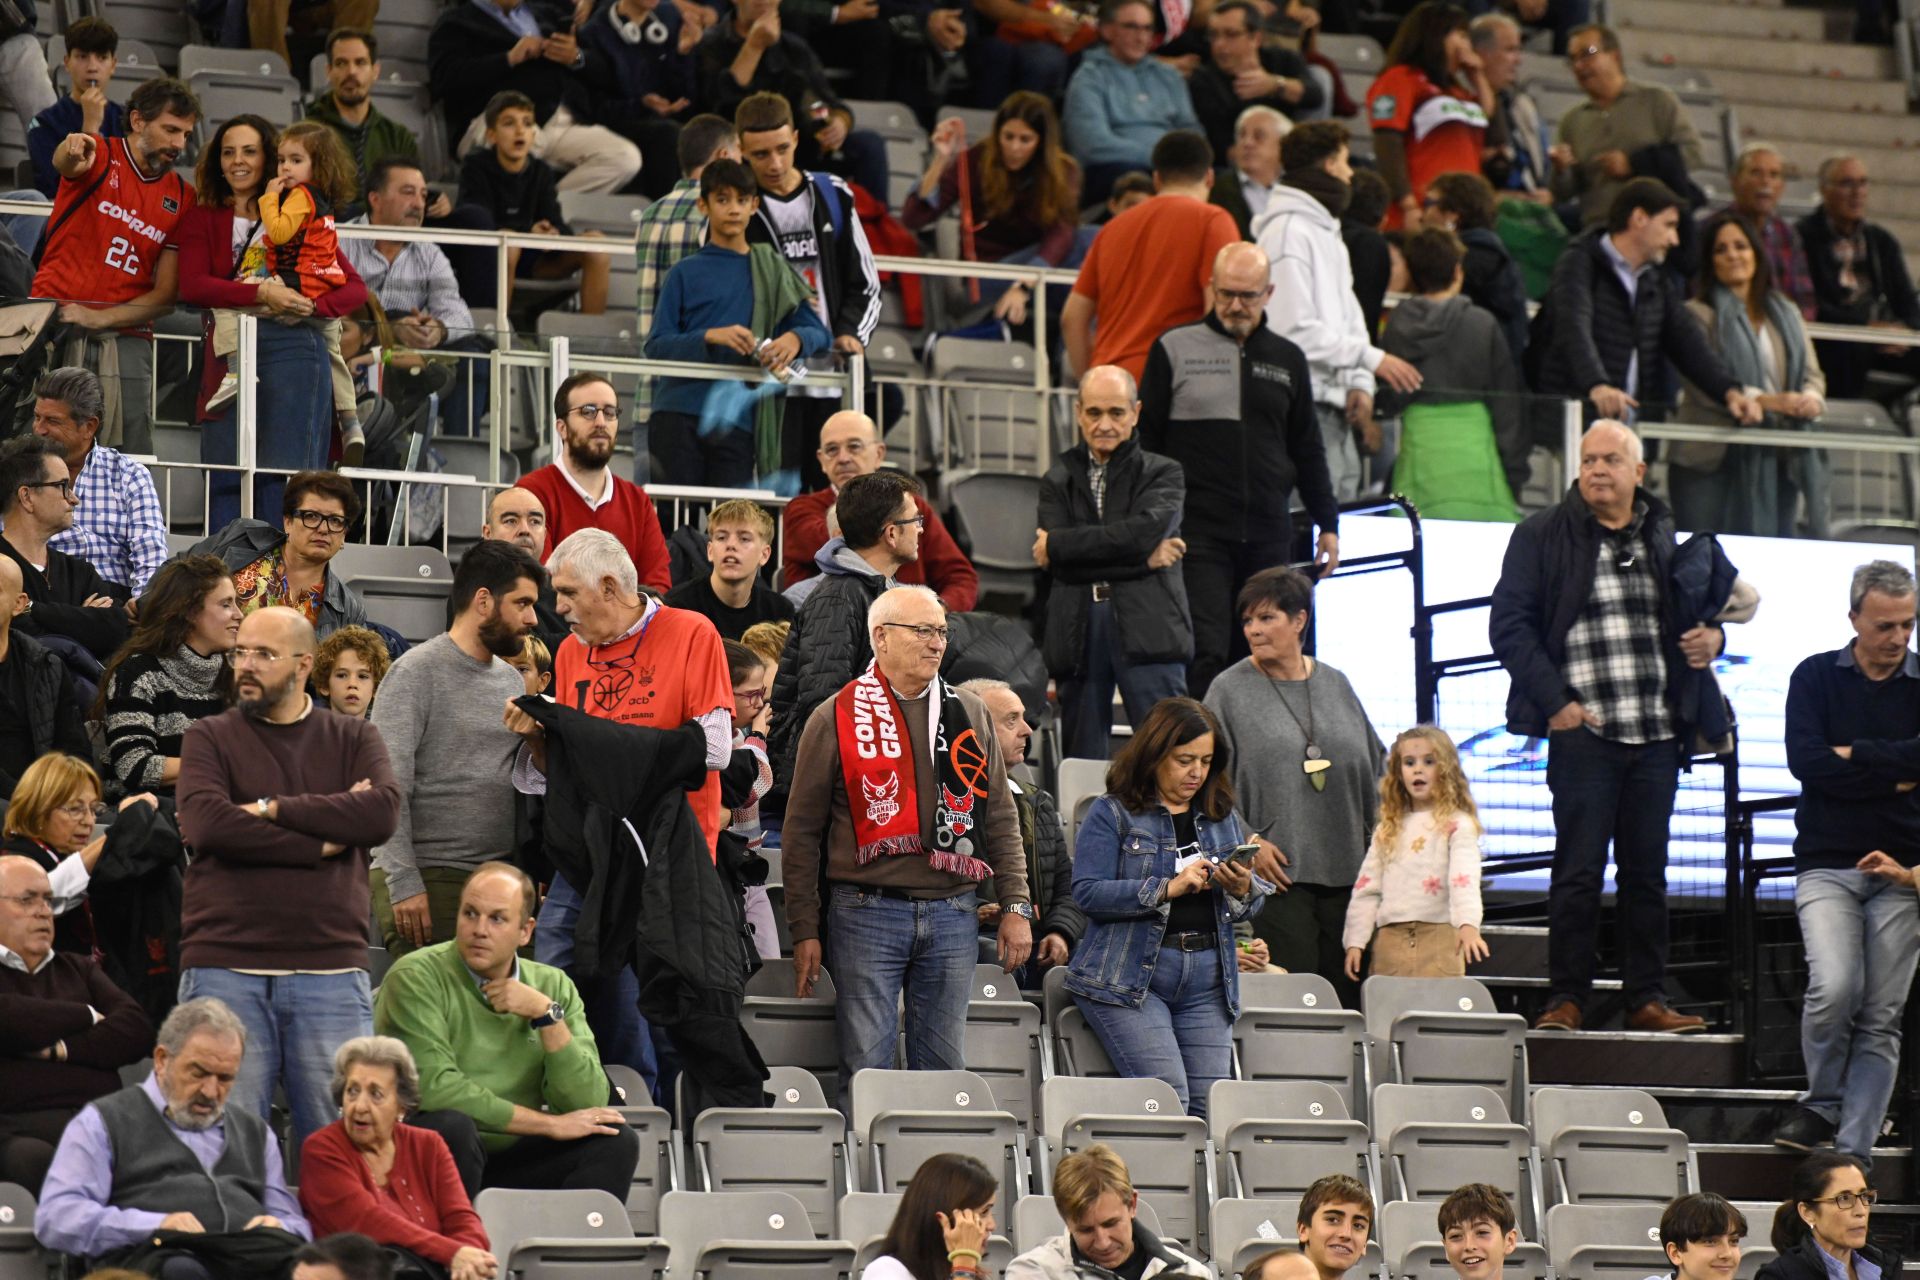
1656,1016
1564,1016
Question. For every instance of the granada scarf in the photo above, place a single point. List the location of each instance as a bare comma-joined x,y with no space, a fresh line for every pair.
883,779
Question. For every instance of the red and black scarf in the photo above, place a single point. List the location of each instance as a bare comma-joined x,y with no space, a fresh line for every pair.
882,777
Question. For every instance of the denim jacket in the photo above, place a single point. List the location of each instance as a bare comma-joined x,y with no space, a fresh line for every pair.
1121,864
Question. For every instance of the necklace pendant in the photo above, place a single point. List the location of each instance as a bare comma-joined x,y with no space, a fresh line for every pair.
1319,780
1314,768
1313,752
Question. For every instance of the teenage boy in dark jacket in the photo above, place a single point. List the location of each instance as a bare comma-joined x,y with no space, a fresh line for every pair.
1230,401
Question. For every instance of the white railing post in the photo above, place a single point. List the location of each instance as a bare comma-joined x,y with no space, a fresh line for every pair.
857,383
1572,425
246,413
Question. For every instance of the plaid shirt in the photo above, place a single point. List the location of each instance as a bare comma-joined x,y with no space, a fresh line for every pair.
1616,659
1788,258
117,528
670,229
1097,481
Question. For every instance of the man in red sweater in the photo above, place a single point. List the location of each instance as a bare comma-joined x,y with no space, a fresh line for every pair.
578,490
850,445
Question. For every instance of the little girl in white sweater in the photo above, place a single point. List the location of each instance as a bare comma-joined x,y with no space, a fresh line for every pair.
1417,899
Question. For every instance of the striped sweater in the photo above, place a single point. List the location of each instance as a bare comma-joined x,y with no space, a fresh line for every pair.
150,704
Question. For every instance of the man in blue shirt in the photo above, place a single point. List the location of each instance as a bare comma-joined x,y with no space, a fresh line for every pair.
93,48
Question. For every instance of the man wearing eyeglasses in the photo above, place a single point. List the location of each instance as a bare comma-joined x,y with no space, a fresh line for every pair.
118,527
71,1029
1624,129
578,489
1122,100
66,597
1859,277
288,566
1231,389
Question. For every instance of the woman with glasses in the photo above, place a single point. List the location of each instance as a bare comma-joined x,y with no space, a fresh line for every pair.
51,819
1820,1230
171,672
287,565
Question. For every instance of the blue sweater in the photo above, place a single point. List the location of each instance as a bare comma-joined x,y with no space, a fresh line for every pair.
1115,113
51,127
1848,808
706,290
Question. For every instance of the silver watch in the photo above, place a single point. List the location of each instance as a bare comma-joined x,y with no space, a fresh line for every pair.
1022,909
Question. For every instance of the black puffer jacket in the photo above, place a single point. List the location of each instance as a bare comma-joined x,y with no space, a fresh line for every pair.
1049,868
53,714
1805,1262
827,647
1145,494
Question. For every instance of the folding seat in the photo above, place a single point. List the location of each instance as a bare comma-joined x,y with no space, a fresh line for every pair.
1291,1028
1434,1138
1276,1139
566,1235
1006,1044
20,1257
902,1117
1076,1050
747,1235
1603,1242
1244,1230
799,1146
867,1216
1167,1152
792,1032
1409,1233
1446,1031
1610,1146
1036,1220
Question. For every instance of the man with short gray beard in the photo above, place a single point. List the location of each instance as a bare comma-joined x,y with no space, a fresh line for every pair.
166,1156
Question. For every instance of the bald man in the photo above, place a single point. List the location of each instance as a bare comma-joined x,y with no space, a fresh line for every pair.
1579,620
1282,1264
1229,400
39,711
850,445
517,515
1110,535
281,800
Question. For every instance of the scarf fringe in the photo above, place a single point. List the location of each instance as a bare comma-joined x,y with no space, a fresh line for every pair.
960,864
887,847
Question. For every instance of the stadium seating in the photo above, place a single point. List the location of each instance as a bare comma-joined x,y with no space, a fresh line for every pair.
1167,1152
1603,1242
1610,1146
756,1235
1445,1031
1433,1138
403,587
799,1145
1291,1028
19,1254
1076,1050
1275,1139
1006,1044
565,1235
792,1031
1415,1250
899,1118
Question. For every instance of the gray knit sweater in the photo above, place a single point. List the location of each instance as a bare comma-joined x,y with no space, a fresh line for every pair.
1324,833
439,713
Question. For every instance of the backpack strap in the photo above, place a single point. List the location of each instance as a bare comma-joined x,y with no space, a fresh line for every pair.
46,237
829,195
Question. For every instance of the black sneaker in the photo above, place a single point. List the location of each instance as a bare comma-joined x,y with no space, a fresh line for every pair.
1804,1131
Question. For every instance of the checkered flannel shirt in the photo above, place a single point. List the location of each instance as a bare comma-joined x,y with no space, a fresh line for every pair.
670,229
1616,657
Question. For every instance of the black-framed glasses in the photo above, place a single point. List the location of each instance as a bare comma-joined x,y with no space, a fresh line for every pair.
64,486
921,630
609,413
321,520
1241,295
919,520
1846,1200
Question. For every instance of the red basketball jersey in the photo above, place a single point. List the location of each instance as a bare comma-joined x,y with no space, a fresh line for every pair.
104,252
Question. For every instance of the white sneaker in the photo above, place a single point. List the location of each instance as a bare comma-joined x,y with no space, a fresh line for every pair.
229,387
353,445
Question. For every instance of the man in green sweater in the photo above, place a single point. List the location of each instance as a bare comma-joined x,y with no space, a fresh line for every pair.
509,1074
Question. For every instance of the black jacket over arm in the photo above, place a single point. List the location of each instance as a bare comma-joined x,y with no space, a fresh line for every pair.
467,64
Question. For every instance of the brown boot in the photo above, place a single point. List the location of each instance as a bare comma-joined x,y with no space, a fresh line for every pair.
1656,1016
1564,1016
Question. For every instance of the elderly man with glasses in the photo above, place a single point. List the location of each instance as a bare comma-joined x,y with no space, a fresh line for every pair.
1625,129
282,801
899,802
288,566
1859,277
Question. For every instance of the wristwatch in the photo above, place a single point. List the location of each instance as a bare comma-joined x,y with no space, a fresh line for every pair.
555,1013
260,806
1022,909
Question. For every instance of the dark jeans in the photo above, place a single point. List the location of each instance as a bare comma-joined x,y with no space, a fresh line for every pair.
721,458
1608,791
475,266
604,1162
658,138
295,421
1302,929
27,1140
1086,700
1215,569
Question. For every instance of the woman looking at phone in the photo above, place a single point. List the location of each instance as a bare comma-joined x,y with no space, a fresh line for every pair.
1154,868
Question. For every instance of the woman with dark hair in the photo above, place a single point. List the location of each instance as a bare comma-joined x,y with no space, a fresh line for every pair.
171,672
1306,767
1157,869
1465,204
1758,332
223,263
1426,121
1820,1230
940,1230
1023,194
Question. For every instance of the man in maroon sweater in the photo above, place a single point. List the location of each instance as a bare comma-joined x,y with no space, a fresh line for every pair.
280,800
850,445
65,1029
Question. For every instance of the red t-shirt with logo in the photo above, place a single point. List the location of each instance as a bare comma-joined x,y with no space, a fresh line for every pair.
105,252
1444,128
673,670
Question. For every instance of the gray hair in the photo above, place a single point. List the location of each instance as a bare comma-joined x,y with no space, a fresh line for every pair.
194,1017
1751,150
77,388
1260,111
378,1051
1126,378
1482,30
886,606
1827,166
981,686
595,554
1887,577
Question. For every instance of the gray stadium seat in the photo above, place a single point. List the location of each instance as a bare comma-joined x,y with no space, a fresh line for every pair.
757,1235
798,1147
1602,1242
1434,1138
565,1235
1610,1146
1446,1031
867,1216
137,63
1358,57
1276,1138
161,27
404,27
1006,1043
654,1173
404,587
278,104
993,515
618,218
899,1118
1167,1152
212,60
995,417
792,1032
20,1257
1291,1027
1409,1233
1244,1230
617,333
1076,1050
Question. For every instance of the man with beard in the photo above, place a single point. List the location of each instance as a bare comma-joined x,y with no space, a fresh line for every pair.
515,515
578,491
167,1155
439,715
281,799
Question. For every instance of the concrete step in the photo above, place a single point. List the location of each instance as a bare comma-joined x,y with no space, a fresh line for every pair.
1707,18
1757,1171
1819,93
1636,1058
1889,166
1758,55
1779,122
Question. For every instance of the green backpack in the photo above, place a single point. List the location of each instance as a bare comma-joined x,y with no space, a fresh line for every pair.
1535,236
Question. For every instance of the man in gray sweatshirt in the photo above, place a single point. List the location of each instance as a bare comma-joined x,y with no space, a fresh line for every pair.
439,713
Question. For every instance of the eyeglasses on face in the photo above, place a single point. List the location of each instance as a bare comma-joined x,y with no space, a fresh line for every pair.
1585,52
265,657
752,697
1846,1200
79,809
321,520
921,631
921,521
1244,296
608,413
64,486
28,901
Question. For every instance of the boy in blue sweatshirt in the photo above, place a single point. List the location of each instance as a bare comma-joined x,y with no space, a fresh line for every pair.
93,54
728,303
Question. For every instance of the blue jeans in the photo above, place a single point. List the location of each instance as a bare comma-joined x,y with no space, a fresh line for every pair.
294,1023
1086,700
884,948
1608,791
295,420
611,1003
1862,935
1182,1033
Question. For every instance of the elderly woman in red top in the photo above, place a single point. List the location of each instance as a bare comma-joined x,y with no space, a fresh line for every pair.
1426,119
369,1173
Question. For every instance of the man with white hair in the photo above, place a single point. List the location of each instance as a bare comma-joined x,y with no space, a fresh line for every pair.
633,660
1759,178
143,1176
1247,181
1516,153
1580,621
899,803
